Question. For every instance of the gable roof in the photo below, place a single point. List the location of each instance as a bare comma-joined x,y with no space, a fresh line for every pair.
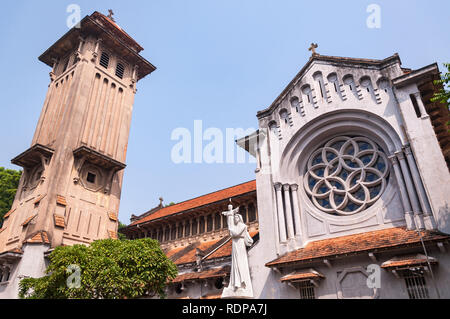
334,60
210,198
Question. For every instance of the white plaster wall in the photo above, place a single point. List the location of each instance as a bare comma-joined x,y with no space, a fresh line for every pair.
32,264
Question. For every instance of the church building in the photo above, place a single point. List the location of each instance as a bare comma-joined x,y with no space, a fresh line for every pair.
350,198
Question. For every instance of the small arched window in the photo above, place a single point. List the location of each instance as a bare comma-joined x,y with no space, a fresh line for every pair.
295,103
251,212
104,60
187,229
209,223
120,69
306,89
273,127
284,115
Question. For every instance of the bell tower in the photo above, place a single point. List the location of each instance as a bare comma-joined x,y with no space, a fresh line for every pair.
70,188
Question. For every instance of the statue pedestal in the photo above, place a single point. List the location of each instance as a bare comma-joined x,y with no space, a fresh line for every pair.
240,293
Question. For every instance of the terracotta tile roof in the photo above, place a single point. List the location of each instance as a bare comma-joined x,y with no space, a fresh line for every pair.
206,274
39,198
404,261
38,238
112,216
13,251
302,275
28,220
9,213
189,256
59,220
358,243
200,201
117,30
61,200
177,253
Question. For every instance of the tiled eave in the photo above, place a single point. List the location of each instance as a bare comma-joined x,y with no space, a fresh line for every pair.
33,156
98,158
427,73
11,256
352,245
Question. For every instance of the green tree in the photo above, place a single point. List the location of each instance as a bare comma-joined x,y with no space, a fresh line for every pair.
9,181
108,269
119,234
443,95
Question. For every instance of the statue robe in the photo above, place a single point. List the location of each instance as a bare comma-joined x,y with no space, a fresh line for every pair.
240,283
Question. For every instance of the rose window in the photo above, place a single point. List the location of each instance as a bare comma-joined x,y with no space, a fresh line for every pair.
346,175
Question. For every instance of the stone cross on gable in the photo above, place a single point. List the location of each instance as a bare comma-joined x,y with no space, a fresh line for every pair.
313,48
110,15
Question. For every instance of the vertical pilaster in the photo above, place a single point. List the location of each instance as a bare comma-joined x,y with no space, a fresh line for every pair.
296,209
410,189
403,193
287,204
423,198
280,210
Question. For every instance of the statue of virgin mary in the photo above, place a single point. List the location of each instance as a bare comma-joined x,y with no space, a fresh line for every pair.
240,285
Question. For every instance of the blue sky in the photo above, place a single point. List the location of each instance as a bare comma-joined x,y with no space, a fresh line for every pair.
218,61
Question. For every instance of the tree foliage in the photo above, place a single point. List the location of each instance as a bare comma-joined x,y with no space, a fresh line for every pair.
120,235
443,95
109,269
9,181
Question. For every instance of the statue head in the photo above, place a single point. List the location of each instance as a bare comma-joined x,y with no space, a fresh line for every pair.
237,219
230,207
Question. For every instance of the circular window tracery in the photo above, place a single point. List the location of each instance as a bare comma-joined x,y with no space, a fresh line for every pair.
346,175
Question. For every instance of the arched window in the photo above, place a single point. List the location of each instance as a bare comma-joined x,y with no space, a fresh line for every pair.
332,78
224,221
194,226
104,60
295,103
243,213
202,225
187,229
217,221
273,127
209,223
306,89
284,115
167,234
160,235
180,231
251,212
120,69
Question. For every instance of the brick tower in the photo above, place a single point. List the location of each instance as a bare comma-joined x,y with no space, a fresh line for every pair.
70,189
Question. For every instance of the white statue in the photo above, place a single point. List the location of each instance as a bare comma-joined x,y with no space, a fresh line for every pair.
240,285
